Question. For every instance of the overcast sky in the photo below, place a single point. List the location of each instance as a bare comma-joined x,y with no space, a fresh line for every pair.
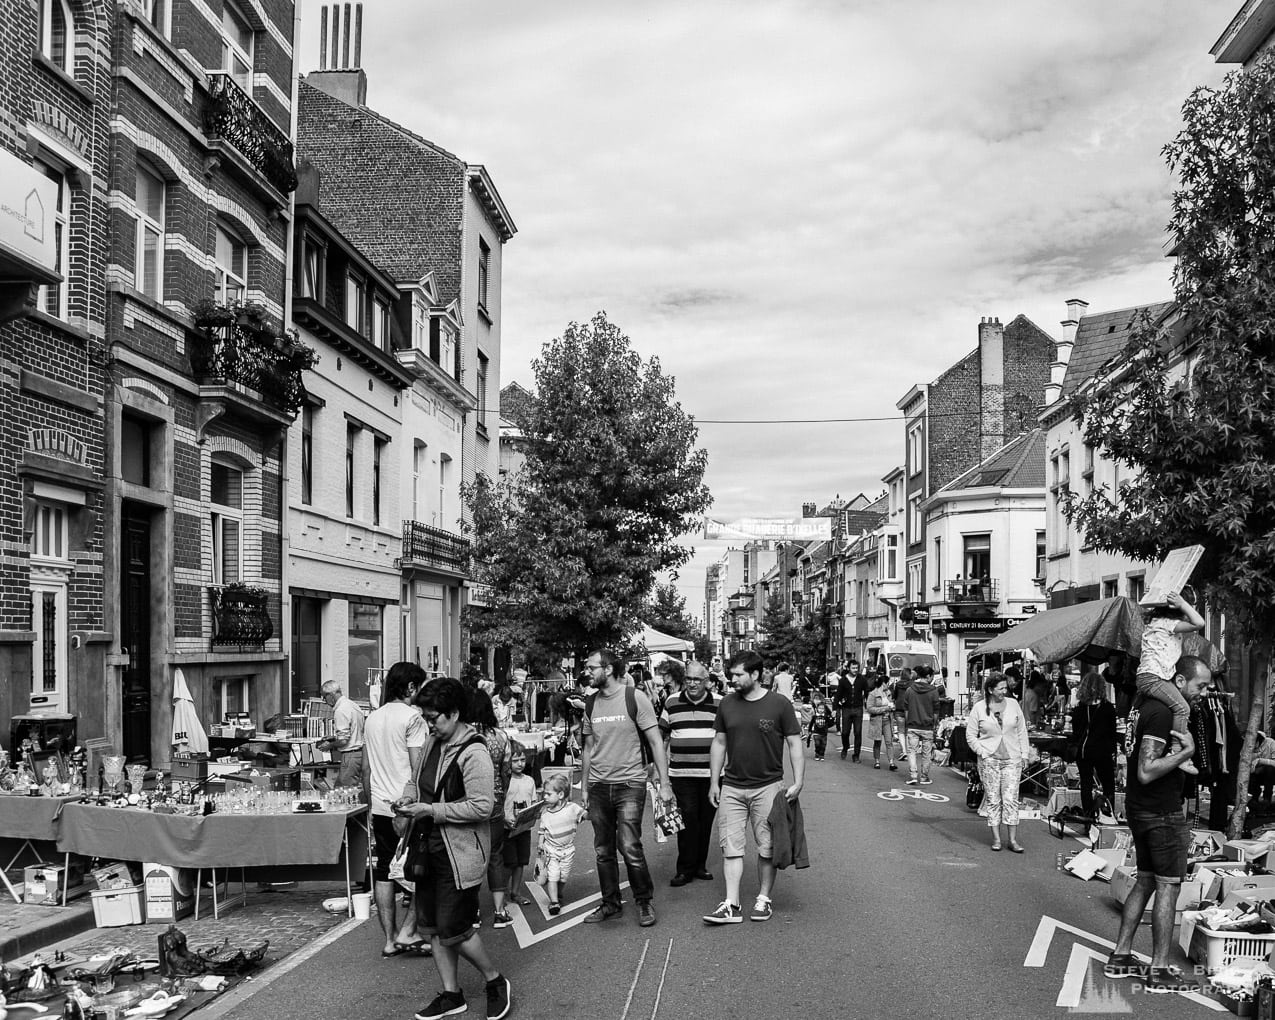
802,207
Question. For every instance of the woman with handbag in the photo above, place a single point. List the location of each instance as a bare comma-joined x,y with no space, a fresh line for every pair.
880,723
1093,734
996,730
451,845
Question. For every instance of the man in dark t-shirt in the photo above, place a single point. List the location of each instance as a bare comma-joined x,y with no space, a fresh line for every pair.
751,731
1161,835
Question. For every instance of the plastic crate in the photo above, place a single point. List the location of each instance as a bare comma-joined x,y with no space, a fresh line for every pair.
1217,950
115,908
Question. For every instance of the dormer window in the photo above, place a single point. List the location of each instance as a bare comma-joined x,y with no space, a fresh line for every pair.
420,323
237,39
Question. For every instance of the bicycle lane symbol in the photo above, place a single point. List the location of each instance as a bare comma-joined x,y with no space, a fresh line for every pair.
933,798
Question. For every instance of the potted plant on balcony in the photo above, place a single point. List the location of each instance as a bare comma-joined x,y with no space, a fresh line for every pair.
243,343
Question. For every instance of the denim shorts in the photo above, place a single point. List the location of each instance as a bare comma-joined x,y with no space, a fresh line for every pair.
1160,843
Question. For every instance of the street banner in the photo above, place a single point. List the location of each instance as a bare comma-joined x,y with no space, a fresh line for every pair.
789,529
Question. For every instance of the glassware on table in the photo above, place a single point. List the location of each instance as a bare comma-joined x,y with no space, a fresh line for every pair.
113,771
136,777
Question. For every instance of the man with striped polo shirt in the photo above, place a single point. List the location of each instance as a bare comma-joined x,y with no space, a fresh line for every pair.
687,724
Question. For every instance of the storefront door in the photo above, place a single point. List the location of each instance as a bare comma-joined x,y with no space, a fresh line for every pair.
135,636
307,649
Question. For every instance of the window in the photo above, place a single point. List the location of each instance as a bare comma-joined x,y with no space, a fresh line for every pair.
157,12
444,470
914,582
442,347
378,447
49,538
351,437
419,451
1040,555
312,270
236,46
354,308
307,454
978,557
1086,476
1110,588
57,34
50,572
226,510
914,450
1137,587
914,520
364,646
420,324
135,451
230,257
891,558
149,270
938,563
52,297
234,694
481,386
484,269
381,324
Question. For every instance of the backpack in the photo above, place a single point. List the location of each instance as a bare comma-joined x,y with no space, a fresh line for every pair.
630,706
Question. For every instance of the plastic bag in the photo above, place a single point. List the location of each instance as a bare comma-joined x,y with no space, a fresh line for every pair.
667,815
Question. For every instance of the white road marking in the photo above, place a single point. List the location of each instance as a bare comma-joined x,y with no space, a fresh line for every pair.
636,974
660,990
522,929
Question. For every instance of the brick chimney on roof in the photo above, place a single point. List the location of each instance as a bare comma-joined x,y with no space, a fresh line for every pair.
345,79
1058,370
991,411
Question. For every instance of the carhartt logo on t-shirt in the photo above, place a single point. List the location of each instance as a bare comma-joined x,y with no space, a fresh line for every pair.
609,718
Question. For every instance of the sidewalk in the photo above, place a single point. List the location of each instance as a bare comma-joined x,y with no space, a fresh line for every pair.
24,928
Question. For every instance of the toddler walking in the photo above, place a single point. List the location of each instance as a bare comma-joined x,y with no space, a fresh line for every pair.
558,823
820,723
1161,649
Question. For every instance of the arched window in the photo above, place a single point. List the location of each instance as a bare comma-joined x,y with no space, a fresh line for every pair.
231,258
226,509
57,33
151,209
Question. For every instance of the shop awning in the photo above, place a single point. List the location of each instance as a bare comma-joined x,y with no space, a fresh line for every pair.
1090,631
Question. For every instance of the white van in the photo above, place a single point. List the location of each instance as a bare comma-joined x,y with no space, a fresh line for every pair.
899,655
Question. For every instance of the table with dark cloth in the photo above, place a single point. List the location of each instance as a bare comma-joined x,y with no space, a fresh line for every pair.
208,841
30,817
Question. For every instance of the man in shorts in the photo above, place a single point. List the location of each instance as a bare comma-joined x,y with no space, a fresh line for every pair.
752,728
1161,834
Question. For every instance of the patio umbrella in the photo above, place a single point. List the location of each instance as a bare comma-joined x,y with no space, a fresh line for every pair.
188,731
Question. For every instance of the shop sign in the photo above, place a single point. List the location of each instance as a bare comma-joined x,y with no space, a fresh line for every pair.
28,203
983,625
1029,610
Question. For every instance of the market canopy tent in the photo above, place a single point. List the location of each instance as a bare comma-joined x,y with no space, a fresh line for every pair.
657,641
1090,631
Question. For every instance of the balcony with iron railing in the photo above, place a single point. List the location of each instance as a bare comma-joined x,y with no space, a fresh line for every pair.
972,591
430,548
232,116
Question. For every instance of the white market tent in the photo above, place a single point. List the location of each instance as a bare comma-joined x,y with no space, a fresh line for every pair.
656,641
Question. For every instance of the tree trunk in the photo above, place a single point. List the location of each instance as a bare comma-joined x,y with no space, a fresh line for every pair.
1256,717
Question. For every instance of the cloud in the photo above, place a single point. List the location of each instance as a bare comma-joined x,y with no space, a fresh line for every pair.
803,207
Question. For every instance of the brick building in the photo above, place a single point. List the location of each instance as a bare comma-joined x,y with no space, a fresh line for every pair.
156,384
436,226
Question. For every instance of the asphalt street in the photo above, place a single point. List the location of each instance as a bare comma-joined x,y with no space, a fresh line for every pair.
904,911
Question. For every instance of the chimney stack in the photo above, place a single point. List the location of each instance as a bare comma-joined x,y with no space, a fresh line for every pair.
338,75
1058,369
991,359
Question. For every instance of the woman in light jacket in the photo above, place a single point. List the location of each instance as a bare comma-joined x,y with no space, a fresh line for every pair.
996,731
880,722
452,818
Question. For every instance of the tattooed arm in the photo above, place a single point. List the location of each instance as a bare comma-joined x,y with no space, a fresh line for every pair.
1153,763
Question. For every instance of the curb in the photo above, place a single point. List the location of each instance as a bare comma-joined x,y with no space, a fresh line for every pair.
64,923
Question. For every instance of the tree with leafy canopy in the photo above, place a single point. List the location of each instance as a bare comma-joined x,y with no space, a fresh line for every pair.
784,640
666,612
1190,404
568,549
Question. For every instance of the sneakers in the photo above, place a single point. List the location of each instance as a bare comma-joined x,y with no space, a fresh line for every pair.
646,914
876,765
498,997
1164,980
912,782
599,914
927,782
894,768
444,1004
1123,965
501,919
726,913
819,757
761,909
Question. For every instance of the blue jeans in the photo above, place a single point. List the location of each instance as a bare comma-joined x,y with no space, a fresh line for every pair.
615,812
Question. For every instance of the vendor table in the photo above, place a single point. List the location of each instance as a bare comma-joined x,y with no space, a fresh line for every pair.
1036,773
212,841
31,820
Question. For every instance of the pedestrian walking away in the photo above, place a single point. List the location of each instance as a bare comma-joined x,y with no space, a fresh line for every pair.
619,723
1160,830
996,731
752,730
919,707
451,828
687,724
1093,731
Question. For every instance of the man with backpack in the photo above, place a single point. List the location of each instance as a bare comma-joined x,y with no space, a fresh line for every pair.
620,731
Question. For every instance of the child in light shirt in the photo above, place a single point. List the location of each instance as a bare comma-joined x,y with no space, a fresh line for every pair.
558,823
1161,649
517,848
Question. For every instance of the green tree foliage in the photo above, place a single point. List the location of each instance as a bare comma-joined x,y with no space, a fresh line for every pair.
785,640
1203,446
666,612
569,548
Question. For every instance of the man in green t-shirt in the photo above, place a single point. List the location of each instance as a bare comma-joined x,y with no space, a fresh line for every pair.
752,729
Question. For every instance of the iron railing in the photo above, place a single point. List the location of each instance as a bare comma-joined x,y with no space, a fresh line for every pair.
233,116
984,590
240,617
257,358
427,546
